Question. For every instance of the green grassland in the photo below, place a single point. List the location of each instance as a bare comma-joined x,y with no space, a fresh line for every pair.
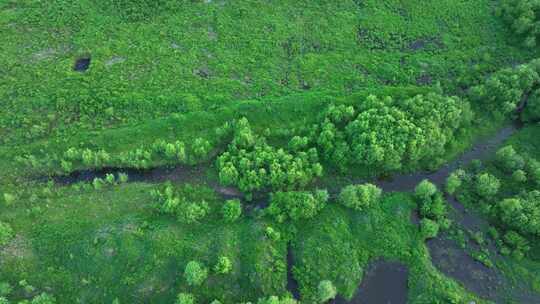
187,72
244,50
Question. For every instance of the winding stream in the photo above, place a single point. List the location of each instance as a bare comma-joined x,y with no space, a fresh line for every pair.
381,276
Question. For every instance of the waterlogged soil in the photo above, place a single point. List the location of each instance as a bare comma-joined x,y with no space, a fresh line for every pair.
454,261
384,282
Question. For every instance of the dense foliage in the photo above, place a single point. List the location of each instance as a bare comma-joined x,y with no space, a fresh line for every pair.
509,194
251,164
296,205
432,209
523,16
504,91
391,133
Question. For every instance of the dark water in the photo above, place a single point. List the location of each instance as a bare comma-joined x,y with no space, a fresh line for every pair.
155,175
82,64
292,284
191,174
384,283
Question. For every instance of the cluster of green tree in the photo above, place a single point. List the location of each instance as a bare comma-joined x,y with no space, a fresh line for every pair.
432,209
42,298
187,298
523,16
296,205
360,197
142,157
387,133
521,213
518,216
506,89
523,169
188,203
251,164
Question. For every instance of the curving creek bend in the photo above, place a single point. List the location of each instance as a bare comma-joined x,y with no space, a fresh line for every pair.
384,281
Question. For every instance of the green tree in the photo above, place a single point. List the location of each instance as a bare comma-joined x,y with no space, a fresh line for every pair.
5,289
519,176
487,185
223,265
185,298
326,291
232,209
509,159
428,228
195,273
425,190
454,181
360,197
44,298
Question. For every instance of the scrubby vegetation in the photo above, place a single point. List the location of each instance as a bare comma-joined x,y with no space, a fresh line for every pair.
244,151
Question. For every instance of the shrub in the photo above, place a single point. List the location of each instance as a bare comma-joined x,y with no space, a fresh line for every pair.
223,265
192,212
428,228
201,148
123,178
232,210
359,197
185,298
326,291
187,203
517,243
9,198
272,234
6,233
195,273
5,289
